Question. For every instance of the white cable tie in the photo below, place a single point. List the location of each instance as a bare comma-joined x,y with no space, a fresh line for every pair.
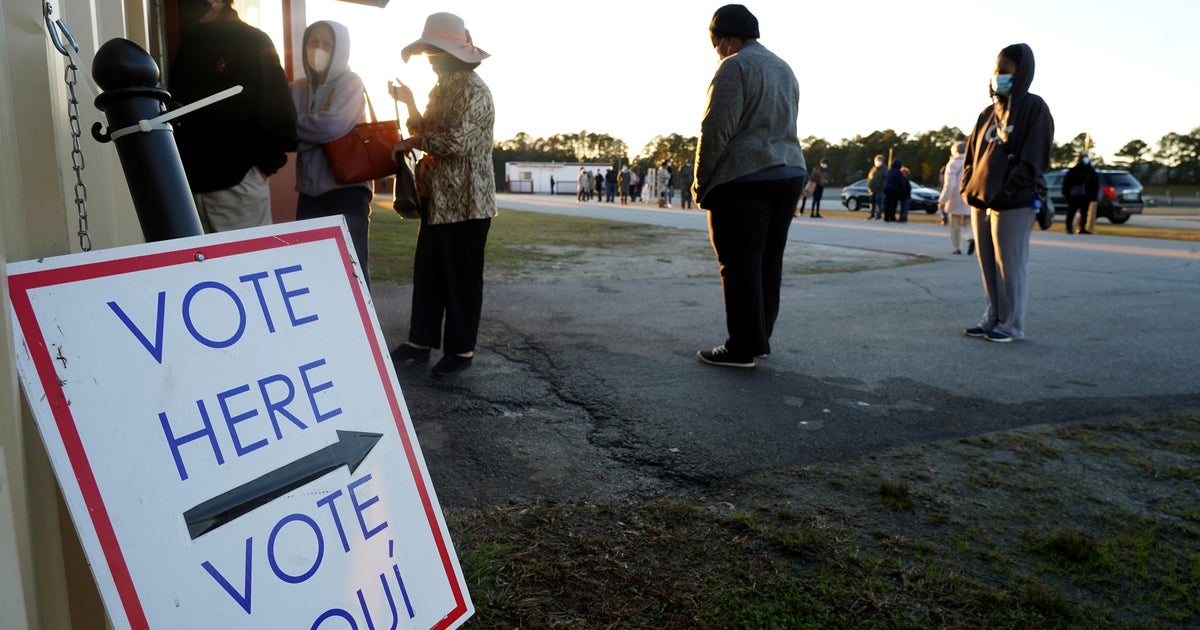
157,124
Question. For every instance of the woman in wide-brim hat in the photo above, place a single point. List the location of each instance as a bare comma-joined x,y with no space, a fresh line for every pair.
455,134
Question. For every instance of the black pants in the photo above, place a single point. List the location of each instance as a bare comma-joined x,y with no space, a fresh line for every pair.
748,224
816,199
352,202
1080,205
890,201
448,285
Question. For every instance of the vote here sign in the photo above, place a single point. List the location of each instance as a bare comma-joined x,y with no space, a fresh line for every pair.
228,432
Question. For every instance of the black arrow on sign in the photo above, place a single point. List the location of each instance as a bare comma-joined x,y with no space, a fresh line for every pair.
350,450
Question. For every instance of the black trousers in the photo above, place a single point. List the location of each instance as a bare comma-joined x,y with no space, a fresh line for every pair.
1080,205
748,223
352,202
447,296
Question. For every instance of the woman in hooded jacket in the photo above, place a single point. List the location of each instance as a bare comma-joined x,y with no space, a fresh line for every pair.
1007,154
329,102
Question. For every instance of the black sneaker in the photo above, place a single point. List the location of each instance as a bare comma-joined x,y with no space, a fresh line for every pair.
450,364
405,353
975,331
723,357
997,337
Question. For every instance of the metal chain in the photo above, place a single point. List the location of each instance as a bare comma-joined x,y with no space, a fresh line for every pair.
71,77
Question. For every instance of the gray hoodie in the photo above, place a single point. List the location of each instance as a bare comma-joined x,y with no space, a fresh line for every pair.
326,113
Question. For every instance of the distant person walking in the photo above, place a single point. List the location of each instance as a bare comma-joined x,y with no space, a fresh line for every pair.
875,179
749,174
1007,154
951,202
1081,187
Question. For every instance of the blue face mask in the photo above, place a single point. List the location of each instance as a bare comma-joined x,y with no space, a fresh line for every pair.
1087,160
1002,84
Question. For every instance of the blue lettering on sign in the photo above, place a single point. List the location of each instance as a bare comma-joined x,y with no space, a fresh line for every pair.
272,557
315,550
237,421
234,309
191,326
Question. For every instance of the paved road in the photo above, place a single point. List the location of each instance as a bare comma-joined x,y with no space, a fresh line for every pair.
591,390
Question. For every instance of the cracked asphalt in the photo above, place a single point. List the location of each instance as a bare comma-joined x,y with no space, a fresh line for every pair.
589,389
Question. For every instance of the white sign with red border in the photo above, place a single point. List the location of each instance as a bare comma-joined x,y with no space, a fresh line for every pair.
225,423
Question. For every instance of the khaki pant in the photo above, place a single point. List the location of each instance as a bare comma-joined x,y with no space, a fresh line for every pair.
1091,217
245,204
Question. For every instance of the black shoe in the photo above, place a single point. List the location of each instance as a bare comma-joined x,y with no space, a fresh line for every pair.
725,358
450,364
1083,231
405,353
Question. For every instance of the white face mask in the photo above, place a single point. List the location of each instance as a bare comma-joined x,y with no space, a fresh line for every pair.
878,162
318,59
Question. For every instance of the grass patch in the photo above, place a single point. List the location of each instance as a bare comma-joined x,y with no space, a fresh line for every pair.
832,546
516,241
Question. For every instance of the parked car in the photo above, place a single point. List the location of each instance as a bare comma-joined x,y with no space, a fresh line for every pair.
855,197
1120,194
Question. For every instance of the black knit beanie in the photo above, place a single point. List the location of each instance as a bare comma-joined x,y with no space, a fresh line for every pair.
734,20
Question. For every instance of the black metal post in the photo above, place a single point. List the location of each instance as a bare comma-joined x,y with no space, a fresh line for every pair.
150,159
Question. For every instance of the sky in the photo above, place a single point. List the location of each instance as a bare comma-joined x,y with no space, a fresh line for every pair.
636,69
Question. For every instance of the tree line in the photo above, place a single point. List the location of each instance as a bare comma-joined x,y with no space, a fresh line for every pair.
1174,160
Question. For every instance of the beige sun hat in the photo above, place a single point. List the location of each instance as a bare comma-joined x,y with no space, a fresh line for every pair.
449,33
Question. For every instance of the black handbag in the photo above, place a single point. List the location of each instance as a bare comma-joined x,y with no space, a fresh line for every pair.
405,199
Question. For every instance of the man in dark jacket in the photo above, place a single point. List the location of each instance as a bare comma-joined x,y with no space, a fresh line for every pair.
1081,187
895,187
231,147
1007,153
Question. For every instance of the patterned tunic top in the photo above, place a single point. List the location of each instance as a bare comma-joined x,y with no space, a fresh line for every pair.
456,131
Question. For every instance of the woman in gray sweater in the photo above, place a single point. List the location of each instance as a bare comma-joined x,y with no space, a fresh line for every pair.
750,172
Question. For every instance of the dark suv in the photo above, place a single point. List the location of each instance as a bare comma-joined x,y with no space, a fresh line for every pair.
1120,194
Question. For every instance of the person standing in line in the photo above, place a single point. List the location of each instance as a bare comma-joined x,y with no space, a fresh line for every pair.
456,131
329,102
750,170
624,183
820,176
1008,151
1081,187
951,202
598,183
610,185
893,190
663,180
875,179
229,148
905,194
552,185
687,175
582,184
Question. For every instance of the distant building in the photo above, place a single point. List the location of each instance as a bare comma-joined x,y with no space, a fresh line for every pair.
533,178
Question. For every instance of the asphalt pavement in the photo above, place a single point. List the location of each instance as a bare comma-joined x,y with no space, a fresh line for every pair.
591,390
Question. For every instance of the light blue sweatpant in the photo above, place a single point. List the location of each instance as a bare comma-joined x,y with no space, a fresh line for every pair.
1002,248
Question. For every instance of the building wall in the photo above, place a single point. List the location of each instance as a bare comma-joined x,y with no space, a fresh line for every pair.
44,580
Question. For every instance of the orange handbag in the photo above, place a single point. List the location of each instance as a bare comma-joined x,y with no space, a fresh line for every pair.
365,153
